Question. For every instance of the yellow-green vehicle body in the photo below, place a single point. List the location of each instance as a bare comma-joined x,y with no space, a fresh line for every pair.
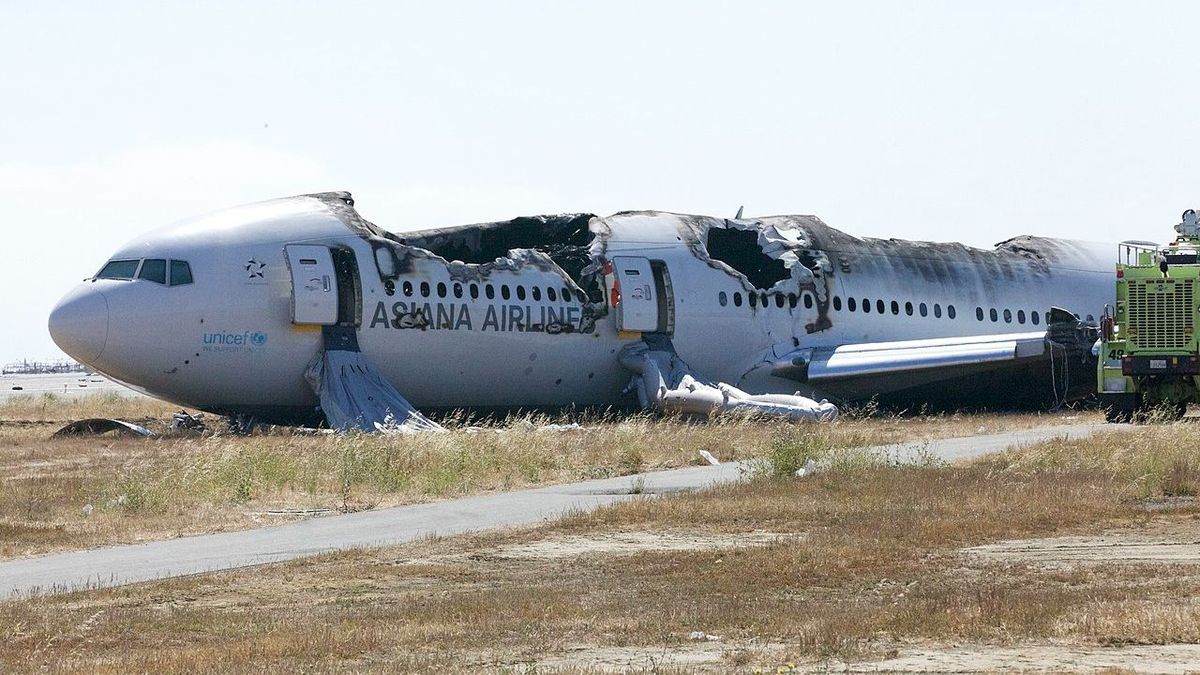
1149,357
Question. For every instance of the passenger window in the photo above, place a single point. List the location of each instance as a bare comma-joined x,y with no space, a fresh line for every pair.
119,269
181,273
551,294
537,292
1020,316
808,300
924,309
837,304
722,298
1034,317
950,311
851,305
879,306
737,299
154,269
520,292
908,308
764,299
490,292
994,316
1008,316
566,294
895,307
407,289
979,313
792,300
504,292
424,289
937,310
780,300
457,290
866,306
753,298
441,289
474,289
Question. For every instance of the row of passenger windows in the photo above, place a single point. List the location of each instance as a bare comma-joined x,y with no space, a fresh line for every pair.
878,306
489,291
158,270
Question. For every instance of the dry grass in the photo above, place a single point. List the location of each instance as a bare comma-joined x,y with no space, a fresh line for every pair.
149,489
874,567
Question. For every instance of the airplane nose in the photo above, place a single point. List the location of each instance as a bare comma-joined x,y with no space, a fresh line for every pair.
79,324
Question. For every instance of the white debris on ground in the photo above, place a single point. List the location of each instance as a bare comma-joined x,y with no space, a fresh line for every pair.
708,457
665,383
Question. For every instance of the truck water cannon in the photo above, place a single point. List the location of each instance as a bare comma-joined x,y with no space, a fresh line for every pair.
1189,228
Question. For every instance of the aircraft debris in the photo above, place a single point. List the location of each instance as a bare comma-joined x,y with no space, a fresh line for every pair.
665,383
353,395
184,422
97,426
708,457
807,470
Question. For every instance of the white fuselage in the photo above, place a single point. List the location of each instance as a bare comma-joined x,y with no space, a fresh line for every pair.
227,342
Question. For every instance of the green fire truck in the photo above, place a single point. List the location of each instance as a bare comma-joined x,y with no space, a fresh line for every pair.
1149,358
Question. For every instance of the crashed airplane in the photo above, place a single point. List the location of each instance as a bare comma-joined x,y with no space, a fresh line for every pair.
285,310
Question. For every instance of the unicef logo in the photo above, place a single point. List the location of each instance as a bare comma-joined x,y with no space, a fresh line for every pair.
258,339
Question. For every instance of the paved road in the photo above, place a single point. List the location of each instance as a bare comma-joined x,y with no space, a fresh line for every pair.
71,385
191,555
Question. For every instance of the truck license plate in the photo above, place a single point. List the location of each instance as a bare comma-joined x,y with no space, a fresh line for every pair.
1157,364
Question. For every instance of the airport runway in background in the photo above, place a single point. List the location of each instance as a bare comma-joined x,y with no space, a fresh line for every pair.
206,553
60,384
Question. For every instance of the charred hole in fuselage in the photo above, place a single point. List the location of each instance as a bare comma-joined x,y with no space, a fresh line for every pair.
740,250
565,239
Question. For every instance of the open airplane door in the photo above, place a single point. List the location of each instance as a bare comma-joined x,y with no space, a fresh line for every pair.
633,294
314,284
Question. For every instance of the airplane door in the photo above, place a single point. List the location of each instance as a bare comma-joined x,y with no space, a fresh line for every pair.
314,284
637,308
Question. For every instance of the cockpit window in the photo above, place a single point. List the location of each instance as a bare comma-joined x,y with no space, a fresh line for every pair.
154,269
119,269
181,272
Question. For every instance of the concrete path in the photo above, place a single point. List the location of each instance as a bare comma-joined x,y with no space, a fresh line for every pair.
192,555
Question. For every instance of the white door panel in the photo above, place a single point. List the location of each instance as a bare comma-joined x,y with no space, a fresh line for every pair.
638,309
314,285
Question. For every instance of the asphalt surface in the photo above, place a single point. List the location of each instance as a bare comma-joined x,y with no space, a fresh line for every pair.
118,565
71,385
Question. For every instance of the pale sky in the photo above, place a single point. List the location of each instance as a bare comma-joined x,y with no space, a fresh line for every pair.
923,120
